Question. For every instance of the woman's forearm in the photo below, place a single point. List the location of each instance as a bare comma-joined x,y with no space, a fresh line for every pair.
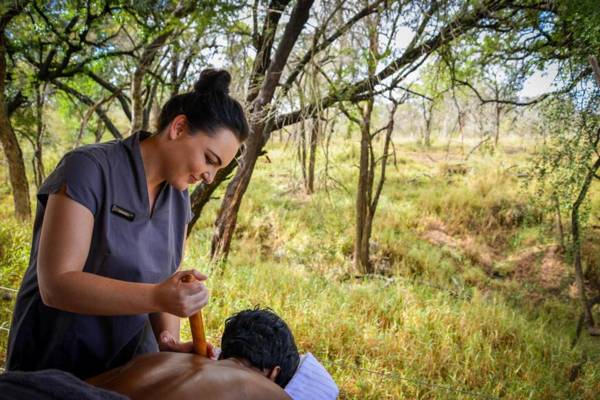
163,321
86,293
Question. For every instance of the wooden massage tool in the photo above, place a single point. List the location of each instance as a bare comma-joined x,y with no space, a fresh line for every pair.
197,327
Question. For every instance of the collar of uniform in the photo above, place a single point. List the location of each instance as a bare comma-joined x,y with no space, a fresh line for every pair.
132,143
133,140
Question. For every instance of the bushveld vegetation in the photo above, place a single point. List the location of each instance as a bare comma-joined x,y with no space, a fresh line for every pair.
427,229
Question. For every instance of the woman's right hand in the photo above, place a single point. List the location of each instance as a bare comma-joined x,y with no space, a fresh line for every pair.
177,297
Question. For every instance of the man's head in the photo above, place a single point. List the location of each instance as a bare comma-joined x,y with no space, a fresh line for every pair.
263,339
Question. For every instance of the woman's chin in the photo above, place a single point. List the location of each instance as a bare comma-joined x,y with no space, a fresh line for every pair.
181,186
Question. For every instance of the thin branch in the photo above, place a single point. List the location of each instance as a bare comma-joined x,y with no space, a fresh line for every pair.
347,113
264,46
89,102
122,97
354,91
388,138
93,109
17,101
16,9
296,23
369,9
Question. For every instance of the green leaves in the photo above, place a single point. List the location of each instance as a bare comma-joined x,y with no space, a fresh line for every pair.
571,128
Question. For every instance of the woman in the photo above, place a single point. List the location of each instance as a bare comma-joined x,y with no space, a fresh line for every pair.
109,233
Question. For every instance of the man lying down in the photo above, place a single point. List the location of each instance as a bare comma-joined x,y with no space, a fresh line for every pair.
258,360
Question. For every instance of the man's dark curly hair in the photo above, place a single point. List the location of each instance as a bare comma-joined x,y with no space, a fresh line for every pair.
263,339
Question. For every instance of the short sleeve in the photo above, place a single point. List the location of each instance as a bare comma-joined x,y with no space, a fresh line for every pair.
83,177
188,208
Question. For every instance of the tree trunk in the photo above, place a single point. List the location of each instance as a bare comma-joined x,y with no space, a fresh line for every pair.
302,153
559,223
497,125
428,116
174,70
137,104
12,150
38,162
367,196
314,137
363,198
579,278
149,104
202,194
99,131
227,218
260,126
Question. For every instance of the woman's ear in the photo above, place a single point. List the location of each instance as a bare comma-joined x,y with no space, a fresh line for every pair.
273,373
177,127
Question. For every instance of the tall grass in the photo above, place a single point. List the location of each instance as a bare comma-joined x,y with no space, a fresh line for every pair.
432,323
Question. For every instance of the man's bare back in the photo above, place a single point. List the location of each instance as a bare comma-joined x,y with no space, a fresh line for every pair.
181,376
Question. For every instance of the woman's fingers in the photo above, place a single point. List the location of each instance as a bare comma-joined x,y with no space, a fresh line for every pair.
195,290
194,287
166,336
183,294
212,351
192,299
198,301
200,276
195,275
185,347
168,343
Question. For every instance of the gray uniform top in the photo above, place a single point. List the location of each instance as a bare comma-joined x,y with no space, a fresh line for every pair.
127,244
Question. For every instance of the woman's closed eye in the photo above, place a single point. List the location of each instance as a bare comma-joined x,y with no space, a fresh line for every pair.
209,160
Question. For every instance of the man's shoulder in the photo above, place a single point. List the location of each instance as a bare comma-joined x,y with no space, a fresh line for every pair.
263,388
158,376
253,385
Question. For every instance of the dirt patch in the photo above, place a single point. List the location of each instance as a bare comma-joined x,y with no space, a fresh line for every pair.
543,266
553,270
437,234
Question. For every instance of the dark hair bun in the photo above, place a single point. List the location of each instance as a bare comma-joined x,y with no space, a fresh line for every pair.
213,80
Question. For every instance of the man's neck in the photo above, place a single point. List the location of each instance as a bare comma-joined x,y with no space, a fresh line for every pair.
246,364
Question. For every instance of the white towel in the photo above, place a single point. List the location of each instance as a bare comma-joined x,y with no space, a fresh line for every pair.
311,381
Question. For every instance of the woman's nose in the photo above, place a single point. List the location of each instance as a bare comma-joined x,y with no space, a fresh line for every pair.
206,177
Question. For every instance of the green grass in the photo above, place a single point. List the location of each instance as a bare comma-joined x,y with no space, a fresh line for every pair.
433,317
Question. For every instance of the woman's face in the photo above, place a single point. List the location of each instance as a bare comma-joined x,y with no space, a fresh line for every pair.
197,157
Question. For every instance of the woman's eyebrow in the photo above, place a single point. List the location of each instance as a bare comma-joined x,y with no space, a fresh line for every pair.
215,154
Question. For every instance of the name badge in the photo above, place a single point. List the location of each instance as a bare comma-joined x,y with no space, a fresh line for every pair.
121,212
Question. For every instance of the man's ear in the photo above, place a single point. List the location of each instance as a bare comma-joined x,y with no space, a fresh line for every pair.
273,373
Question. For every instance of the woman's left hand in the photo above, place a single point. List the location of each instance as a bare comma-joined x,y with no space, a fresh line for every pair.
169,343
